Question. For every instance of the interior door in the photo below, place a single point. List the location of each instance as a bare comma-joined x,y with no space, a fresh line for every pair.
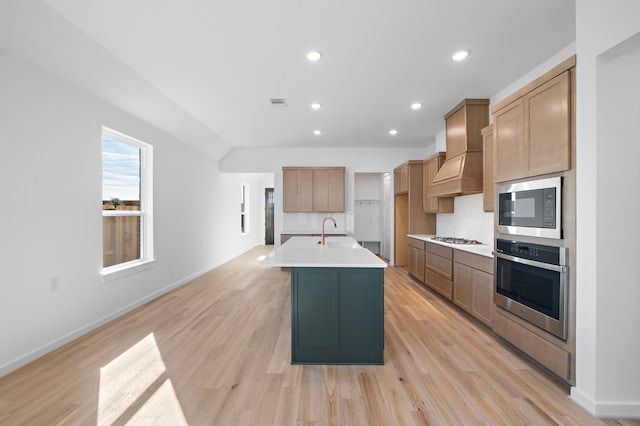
268,216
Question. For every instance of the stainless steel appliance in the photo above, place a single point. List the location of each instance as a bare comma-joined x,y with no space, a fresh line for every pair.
455,240
531,282
531,208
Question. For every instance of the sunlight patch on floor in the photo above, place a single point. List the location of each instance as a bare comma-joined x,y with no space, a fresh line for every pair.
133,386
162,407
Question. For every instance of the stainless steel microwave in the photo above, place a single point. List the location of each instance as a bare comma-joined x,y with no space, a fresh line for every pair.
532,208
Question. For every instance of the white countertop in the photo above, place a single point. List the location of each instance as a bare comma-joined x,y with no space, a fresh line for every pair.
338,252
485,250
316,232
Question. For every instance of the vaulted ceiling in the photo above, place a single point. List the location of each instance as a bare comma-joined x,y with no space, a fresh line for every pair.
219,63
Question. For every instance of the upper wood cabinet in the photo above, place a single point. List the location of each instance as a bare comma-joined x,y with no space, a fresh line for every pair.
508,134
313,189
488,191
462,124
547,126
532,132
297,190
328,190
430,167
401,179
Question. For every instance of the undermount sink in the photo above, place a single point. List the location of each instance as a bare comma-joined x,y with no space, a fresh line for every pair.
343,244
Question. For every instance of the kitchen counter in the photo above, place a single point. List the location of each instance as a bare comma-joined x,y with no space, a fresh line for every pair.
333,232
338,252
337,300
480,249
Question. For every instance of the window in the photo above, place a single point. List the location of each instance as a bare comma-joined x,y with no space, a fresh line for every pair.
126,201
244,209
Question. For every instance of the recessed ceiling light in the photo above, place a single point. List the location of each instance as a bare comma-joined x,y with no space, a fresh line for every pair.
416,106
317,132
316,105
314,56
393,132
458,56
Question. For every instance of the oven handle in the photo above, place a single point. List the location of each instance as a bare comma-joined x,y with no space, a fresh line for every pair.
548,266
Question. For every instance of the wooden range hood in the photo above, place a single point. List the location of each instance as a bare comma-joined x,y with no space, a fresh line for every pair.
461,173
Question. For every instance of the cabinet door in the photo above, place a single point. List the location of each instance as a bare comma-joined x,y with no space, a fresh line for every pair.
416,263
456,132
315,309
320,190
396,182
547,126
336,190
297,190
289,190
508,142
328,191
401,180
482,306
429,170
488,190
434,204
361,311
463,286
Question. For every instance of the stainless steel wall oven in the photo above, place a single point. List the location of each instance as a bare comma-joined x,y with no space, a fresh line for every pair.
531,282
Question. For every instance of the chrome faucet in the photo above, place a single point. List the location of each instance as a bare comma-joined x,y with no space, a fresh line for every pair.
323,221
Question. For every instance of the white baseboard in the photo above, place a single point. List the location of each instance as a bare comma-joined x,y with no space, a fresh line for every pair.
606,410
37,353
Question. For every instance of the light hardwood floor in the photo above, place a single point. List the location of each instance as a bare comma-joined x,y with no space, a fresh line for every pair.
216,352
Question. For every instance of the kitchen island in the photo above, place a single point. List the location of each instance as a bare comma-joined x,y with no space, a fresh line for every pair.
337,300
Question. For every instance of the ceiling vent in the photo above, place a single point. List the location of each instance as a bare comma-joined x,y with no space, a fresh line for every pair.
278,102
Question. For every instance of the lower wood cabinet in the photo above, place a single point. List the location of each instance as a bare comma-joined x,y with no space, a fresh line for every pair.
337,315
438,269
473,284
416,258
462,277
549,355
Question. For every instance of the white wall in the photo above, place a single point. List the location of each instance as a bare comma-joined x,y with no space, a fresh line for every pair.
51,184
608,318
369,209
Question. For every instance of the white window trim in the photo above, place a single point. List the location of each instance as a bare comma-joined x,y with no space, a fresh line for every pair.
147,258
244,196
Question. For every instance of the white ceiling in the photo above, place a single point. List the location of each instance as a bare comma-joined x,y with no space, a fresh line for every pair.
220,62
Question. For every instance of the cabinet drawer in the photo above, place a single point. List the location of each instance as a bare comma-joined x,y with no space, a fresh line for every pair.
474,260
440,265
419,244
549,355
440,250
439,283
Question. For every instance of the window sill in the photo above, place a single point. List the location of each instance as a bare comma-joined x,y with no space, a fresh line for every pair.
116,272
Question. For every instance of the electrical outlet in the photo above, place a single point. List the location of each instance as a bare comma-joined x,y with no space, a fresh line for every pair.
54,284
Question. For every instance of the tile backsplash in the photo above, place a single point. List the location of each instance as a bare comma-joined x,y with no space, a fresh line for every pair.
312,222
468,220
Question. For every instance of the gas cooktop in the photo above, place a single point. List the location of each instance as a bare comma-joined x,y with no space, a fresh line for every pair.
454,240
